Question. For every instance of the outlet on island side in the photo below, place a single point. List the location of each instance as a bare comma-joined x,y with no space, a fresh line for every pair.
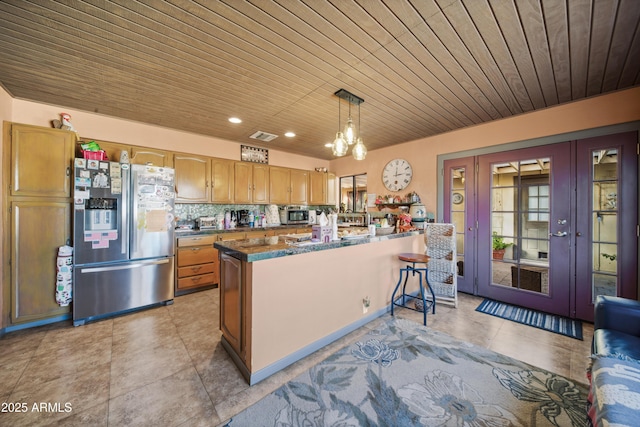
366,302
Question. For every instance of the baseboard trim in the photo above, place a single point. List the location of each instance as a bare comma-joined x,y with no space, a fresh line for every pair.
35,324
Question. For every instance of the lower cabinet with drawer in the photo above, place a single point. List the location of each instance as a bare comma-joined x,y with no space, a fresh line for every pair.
197,265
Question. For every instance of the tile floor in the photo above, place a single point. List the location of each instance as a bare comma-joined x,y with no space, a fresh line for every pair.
165,366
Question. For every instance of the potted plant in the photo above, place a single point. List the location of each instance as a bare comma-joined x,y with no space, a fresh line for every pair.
499,245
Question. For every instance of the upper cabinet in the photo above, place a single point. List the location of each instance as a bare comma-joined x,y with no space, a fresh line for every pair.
289,186
279,185
41,161
332,189
112,149
322,188
261,174
191,178
243,183
201,179
144,156
222,180
251,183
317,188
299,187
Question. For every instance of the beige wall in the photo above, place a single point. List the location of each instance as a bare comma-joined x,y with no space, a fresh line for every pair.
323,293
616,108
96,126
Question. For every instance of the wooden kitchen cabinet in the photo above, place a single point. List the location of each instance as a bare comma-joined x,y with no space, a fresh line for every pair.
288,186
258,234
41,161
113,150
231,235
143,156
243,182
38,229
261,175
222,180
232,305
37,172
299,187
192,178
197,265
317,188
332,189
251,183
279,185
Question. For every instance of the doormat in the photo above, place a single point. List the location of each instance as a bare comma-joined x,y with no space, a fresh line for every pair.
549,322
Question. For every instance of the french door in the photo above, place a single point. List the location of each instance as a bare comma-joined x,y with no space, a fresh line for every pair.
459,195
565,216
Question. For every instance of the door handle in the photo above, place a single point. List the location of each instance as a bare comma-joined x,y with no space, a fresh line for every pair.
558,234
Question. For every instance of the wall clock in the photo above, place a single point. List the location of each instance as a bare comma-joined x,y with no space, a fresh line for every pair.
397,174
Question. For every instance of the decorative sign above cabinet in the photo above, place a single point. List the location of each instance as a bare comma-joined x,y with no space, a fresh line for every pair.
254,154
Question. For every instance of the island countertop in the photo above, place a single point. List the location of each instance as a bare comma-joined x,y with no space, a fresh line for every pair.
251,250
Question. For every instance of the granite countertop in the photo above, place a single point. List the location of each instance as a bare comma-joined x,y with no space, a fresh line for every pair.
251,250
199,232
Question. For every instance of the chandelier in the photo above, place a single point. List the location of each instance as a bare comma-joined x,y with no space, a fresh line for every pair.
343,140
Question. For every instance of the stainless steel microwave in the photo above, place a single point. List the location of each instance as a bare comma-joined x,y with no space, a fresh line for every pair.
294,215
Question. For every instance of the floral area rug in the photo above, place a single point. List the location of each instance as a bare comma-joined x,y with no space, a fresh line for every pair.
403,374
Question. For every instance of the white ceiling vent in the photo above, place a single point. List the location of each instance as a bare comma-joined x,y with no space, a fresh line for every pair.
264,136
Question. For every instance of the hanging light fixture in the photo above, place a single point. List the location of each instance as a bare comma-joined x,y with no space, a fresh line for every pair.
349,130
340,146
344,139
359,151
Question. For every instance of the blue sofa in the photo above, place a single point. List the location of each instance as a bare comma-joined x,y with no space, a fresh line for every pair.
614,376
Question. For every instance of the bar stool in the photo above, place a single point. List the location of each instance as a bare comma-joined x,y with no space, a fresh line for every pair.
413,259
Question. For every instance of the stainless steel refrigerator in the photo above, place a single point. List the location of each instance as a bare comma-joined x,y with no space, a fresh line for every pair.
123,238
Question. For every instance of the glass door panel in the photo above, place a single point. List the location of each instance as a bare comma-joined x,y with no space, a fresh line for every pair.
605,191
459,195
520,224
606,236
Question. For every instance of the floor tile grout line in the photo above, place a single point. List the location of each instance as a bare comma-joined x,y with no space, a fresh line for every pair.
193,364
31,357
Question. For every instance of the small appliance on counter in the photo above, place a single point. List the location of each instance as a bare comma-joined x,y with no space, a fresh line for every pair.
294,215
243,218
207,222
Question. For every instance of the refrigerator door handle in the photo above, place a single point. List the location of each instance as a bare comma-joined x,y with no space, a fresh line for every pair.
124,211
123,267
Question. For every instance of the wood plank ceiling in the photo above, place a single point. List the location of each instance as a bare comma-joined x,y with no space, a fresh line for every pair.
423,67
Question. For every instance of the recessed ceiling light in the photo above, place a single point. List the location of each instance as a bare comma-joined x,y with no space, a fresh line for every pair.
235,120
290,134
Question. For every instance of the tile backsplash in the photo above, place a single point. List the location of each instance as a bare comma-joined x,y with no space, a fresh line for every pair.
186,212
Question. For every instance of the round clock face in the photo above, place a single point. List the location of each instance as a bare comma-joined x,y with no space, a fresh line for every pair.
397,174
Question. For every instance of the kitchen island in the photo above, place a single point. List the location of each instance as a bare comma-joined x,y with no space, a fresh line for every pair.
281,300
